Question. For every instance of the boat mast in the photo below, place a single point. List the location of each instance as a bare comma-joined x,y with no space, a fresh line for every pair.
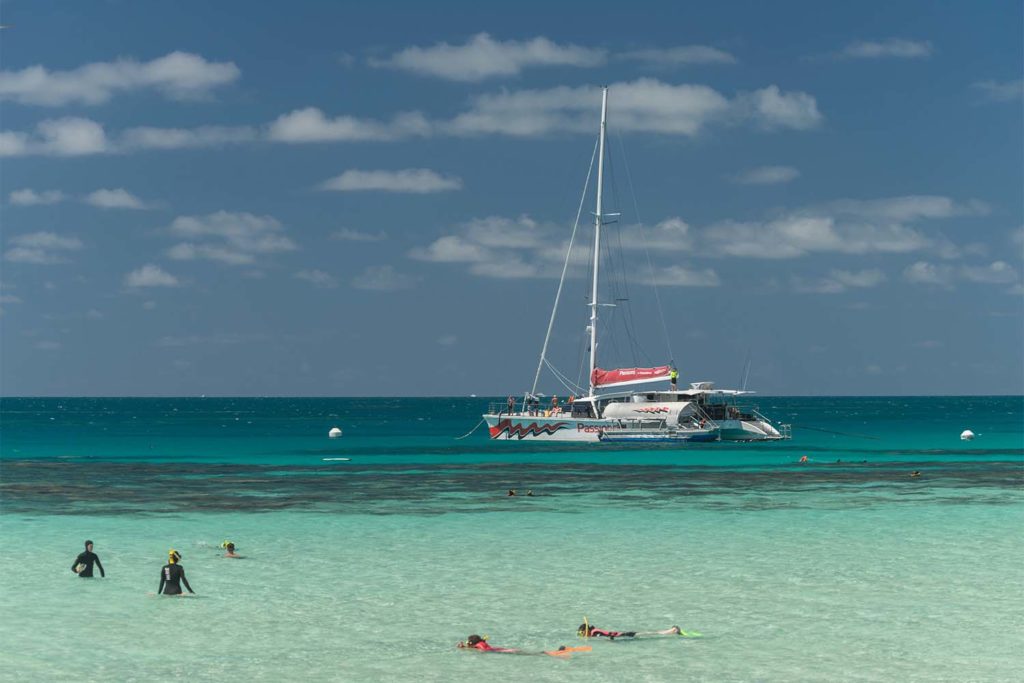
597,237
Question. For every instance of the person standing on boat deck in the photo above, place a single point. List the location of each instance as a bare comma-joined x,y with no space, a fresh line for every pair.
555,410
511,404
84,561
673,377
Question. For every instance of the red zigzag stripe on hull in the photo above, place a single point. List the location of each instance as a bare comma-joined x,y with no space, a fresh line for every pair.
520,431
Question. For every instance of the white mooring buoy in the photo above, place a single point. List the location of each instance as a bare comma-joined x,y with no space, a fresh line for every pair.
967,435
334,433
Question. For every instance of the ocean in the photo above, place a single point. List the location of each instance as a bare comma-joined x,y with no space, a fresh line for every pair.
369,556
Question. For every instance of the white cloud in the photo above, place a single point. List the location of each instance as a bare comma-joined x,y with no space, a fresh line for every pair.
798,235
678,276
349,235
483,57
409,180
772,109
73,136
47,345
893,47
839,281
69,136
645,105
1017,236
1000,91
311,125
176,75
995,273
908,208
40,248
229,237
317,278
496,247
150,275
671,234
114,199
148,137
189,251
768,175
383,279
46,240
845,226
29,197
13,143
451,249
681,55
924,273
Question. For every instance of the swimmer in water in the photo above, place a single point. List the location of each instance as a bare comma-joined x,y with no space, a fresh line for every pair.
84,561
511,492
172,575
585,630
480,644
476,642
229,549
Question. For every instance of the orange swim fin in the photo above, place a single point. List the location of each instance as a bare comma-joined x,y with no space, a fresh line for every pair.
567,651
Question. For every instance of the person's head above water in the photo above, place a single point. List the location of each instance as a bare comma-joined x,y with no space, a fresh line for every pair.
584,629
88,545
173,556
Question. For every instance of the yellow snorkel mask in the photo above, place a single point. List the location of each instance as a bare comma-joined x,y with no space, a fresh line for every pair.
173,556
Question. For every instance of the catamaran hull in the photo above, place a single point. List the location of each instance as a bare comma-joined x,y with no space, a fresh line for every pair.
555,428
664,437
589,430
748,430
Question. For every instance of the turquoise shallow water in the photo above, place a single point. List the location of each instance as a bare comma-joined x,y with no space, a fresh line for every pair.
371,569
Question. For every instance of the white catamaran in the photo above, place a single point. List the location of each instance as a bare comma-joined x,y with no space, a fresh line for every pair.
611,414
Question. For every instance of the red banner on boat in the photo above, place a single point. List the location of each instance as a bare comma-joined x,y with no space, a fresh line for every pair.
605,378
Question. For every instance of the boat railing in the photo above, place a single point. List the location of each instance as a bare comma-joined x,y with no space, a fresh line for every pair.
785,430
501,408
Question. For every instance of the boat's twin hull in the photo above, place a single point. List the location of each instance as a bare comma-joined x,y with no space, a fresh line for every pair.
554,428
589,429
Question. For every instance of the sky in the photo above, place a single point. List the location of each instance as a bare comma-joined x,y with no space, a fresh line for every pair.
354,199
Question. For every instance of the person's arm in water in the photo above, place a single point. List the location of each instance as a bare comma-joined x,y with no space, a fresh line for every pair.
163,580
78,561
185,581
99,564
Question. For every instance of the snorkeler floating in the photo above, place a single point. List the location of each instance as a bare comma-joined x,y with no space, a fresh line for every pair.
480,644
172,575
585,630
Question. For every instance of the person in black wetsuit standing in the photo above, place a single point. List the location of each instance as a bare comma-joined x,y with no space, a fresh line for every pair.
172,575
83,563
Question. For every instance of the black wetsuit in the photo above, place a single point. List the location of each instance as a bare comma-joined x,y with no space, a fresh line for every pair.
88,558
171,577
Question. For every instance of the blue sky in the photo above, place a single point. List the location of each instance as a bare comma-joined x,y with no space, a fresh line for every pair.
342,199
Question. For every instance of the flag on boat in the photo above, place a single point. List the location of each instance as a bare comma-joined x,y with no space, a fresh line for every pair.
623,376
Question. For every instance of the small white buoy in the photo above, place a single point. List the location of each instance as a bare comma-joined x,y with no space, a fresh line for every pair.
334,433
967,435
